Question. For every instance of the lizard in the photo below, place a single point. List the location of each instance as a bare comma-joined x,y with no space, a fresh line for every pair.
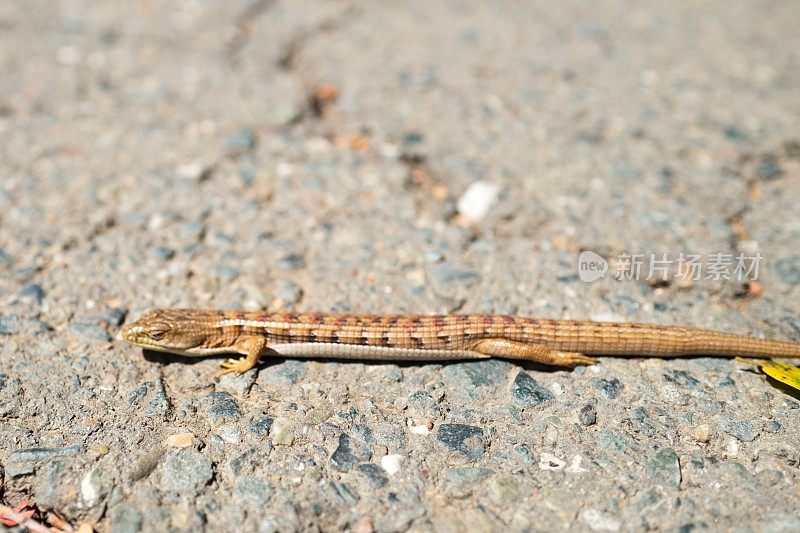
563,343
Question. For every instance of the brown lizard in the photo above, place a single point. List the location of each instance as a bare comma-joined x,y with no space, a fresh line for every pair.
566,343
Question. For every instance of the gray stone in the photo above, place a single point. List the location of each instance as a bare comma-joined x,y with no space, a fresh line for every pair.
186,471
788,269
348,453
252,491
665,467
466,475
290,292
96,485
528,392
49,484
240,142
468,440
473,374
741,429
227,273
292,262
260,426
289,371
91,333
162,253
126,518
682,378
343,493
524,453
33,292
222,406
40,454
9,324
447,274
610,388
375,474
423,403
773,426
588,415
610,440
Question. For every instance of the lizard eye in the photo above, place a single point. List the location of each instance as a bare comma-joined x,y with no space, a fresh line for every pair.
158,331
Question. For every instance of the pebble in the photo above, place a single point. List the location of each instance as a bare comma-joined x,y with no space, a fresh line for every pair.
773,426
472,374
49,484
392,463
222,406
610,440
468,475
524,453
599,521
394,373
162,253
468,440
343,492
528,392
348,453
375,474
40,454
665,467
186,472
95,485
283,432
180,440
769,170
682,378
145,464
474,204
260,427
229,434
292,262
227,273
252,492
289,292
284,113
289,372
33,292
126,518
240,142
9,324
610,388
448,274
788,270
588,415
503,490
701,433
92,333
741,429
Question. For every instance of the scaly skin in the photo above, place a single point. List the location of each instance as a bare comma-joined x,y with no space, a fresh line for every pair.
567,343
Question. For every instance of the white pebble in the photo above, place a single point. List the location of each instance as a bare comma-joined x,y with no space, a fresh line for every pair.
477,199
549,461
391,463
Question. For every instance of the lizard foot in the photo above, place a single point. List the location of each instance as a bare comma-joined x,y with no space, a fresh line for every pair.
239,366
572,359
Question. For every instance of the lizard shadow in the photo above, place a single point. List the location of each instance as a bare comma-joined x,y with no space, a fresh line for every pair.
274,359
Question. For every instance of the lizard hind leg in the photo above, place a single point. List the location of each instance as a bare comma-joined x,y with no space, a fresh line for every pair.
531,352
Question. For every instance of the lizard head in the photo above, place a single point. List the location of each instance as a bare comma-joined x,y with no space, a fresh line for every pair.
180,331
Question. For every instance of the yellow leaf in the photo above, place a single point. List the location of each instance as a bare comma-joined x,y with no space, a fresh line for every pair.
784,373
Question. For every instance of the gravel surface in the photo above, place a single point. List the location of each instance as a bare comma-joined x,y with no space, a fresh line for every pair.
394,157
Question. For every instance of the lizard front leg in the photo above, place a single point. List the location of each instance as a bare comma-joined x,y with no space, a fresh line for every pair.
253,347
531,352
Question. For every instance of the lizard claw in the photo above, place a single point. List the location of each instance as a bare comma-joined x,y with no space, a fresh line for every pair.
238,366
